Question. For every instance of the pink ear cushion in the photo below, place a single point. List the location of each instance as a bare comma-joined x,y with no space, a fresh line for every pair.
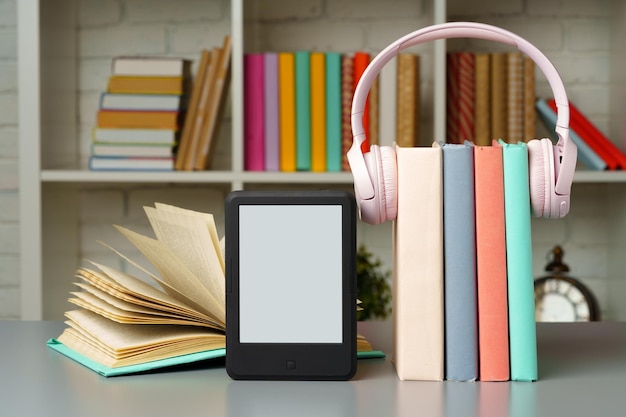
539,175
390,181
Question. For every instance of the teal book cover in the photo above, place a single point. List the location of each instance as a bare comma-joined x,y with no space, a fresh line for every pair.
522,330
333,112
303,110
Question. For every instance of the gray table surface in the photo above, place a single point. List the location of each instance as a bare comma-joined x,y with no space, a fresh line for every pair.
582,372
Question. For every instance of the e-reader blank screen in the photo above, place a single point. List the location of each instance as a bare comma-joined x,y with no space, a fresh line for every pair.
290,273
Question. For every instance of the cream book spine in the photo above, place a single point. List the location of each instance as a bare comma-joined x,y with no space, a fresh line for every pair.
418,322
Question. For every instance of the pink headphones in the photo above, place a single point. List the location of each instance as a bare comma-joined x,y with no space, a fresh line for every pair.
551,167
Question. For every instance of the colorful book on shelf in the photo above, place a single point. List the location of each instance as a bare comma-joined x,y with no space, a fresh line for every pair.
491,276
147,85
254,118
514,97
134,136
521,299
141,151
388,102
418,311
333,112
407,133
597,140
153,102
215,107
194,112
586,155
139,119
460,97
150,66
287,109
374,112
123,325
202,111
347,94
482,99
318,111
303,110
498,93
530,116
360,62
271,112
125,163
459,254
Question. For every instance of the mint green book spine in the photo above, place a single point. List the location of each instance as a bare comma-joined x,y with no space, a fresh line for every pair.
303,110
333,112
522,330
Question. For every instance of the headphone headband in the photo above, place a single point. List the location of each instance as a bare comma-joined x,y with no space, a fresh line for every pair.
565,150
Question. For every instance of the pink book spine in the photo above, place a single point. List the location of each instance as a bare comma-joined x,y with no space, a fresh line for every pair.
491,264
254,126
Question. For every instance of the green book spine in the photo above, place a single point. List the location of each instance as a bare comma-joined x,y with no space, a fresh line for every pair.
303,110
522,331
333,112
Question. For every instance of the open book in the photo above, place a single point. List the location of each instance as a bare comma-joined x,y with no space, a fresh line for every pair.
125,325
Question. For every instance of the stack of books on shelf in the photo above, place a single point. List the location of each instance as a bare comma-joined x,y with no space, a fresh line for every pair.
140,114
206,105
463,294
490,95
595,149
297,108
123,325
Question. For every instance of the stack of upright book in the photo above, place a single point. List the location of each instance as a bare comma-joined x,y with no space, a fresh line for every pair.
140,114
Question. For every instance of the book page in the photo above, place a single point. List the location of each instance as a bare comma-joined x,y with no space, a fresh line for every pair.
120,311
176,273
113,344
188,237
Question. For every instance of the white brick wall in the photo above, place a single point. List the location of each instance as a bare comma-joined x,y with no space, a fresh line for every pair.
9,205
573,33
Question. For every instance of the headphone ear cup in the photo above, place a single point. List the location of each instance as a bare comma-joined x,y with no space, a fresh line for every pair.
541,176
389,181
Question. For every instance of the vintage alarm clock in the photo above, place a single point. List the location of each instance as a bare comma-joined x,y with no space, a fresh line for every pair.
560,297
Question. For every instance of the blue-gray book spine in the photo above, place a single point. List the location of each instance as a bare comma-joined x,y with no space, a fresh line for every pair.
459,225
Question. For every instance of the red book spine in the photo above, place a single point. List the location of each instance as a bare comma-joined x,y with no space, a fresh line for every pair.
600,144
361,61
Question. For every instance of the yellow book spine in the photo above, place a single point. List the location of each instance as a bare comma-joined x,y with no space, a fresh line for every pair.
318,112
287,111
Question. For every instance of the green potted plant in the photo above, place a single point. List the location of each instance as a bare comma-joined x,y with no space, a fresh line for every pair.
373,287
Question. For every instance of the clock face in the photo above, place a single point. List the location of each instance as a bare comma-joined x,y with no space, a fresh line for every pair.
563,300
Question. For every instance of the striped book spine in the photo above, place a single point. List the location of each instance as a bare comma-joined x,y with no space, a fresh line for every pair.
347,92
530,116
452,100
466,96
498,96
515,97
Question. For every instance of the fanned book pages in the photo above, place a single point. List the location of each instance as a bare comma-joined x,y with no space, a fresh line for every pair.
124,325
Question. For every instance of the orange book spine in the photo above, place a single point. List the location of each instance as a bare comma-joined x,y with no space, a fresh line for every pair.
361,61
146,85
318,112
287,111
138,119
491,264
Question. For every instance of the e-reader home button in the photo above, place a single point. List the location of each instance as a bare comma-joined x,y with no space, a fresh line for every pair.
290,365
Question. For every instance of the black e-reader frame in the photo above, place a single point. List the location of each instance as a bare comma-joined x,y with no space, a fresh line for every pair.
291,285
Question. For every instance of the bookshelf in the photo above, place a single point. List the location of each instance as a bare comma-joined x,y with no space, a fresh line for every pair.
52,173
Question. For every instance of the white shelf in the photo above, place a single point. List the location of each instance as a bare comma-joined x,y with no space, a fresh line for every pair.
49,198
209,177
